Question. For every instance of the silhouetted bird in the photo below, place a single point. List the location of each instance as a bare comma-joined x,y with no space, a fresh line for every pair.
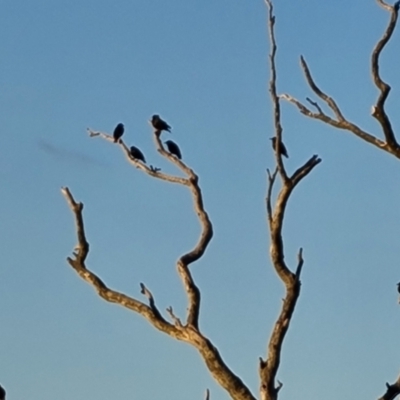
398,289
173,148
282,148
2,393
159,125
136,153
118,132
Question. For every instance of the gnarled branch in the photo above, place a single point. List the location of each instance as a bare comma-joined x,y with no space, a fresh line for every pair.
390,143
190,332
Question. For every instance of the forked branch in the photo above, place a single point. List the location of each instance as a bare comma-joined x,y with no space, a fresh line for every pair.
268,368
390,143
190,331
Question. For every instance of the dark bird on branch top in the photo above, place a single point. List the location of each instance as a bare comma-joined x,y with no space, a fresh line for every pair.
173,148
118,132
2,393
282,148
137,154
159,125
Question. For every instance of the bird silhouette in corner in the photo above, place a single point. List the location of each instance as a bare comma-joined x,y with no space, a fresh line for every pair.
137,154
118,132
159,125
282,148
173,149
2,393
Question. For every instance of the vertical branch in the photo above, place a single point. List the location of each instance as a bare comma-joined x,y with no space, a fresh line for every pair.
272,89
268,368
378,111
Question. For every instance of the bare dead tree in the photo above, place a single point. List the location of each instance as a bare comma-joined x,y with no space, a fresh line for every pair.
339,121
189,330
389,144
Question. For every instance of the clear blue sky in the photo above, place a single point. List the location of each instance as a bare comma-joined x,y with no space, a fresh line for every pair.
66,66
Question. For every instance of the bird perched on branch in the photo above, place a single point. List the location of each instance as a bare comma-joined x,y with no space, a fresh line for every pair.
137,154
2,393
118,132
159,125
173,148
282,148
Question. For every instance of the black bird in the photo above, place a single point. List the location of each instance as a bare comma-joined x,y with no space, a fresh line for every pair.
159,125
2,393
398,289
282,148
118,132
173,148
137,154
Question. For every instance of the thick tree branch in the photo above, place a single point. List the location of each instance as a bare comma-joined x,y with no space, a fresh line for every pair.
378,111
392,391
190,332
390,144
268,368
78,264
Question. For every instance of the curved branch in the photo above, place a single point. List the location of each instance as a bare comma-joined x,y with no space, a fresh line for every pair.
390,144
78,264
152,171
188,333
379,110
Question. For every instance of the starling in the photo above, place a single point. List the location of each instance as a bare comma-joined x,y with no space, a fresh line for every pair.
2,393
118,132
159,125
173,148
137,154
282,148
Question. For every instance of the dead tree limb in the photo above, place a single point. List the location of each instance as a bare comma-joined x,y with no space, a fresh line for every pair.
268,367
392,391
390,143
190,331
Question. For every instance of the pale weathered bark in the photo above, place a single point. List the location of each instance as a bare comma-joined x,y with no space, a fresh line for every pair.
390,143
189,331
268,367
